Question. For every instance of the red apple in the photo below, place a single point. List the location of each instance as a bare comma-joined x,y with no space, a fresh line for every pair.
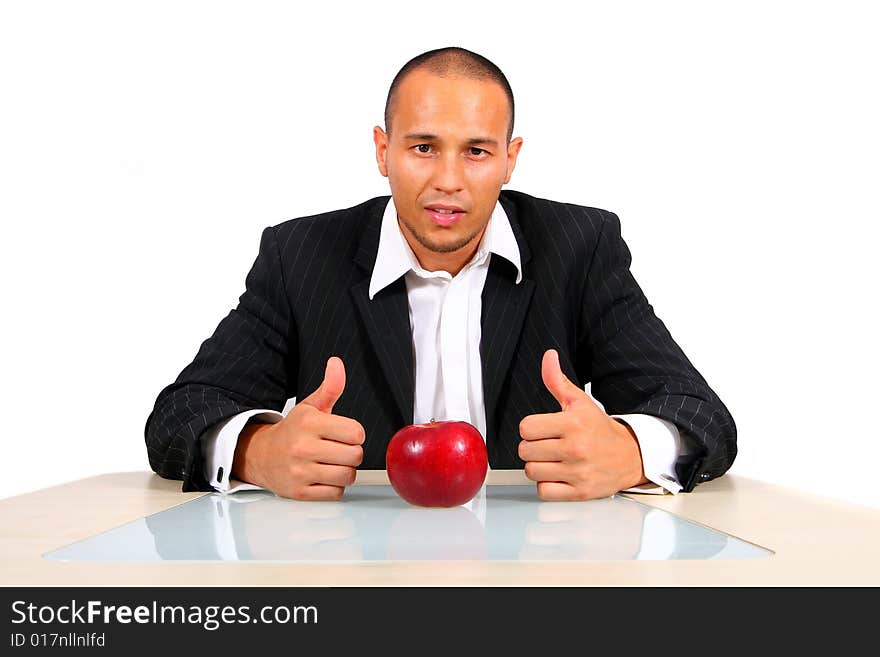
437,463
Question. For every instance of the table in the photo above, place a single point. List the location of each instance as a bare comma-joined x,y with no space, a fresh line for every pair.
815,542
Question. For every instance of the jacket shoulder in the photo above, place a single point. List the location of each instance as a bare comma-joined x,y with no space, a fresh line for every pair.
334,236
547,224
533,209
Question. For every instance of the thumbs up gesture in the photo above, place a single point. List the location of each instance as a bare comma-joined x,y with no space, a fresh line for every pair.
309,455
580,452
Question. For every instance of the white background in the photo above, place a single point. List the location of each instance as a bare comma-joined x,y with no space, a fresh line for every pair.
144,146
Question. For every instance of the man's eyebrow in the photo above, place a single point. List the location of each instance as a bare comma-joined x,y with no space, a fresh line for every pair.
423,136
420,135
483,140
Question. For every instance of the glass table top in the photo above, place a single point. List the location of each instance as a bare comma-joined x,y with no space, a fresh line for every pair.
372,523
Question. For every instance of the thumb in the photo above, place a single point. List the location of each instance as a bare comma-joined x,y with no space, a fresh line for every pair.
565,392
331,387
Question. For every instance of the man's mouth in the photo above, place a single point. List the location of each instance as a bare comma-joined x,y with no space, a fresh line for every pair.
444,215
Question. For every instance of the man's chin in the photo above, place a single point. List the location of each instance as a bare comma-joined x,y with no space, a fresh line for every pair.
441,240
445,247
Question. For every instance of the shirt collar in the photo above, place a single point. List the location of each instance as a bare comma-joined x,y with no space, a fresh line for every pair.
395,257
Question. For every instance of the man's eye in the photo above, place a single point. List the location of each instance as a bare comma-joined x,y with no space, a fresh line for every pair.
424,148
477,151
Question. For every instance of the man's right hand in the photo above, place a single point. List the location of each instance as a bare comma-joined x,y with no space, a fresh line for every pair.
309,455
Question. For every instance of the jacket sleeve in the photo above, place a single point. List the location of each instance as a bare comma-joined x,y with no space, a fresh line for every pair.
247,363
636,367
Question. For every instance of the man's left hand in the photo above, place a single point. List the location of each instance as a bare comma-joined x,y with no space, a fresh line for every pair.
579,453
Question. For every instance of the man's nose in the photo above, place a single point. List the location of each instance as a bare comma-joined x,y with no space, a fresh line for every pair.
449,173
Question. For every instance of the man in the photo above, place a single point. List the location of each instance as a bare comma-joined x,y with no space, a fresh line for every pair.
452,299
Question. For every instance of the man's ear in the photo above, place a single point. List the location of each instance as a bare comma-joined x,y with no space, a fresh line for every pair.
512,153
381,141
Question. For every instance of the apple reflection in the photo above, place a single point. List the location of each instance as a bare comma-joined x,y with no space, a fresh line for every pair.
441,534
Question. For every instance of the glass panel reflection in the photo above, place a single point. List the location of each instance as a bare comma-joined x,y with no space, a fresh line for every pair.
372,523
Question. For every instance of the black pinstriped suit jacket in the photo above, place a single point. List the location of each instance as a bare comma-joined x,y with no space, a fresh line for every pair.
306,300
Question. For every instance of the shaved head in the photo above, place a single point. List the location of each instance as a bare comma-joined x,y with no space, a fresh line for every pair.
450,62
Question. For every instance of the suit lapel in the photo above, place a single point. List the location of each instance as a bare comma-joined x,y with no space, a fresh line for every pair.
504,306
386,318
504,310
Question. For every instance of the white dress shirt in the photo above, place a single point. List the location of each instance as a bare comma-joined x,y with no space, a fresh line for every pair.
445,313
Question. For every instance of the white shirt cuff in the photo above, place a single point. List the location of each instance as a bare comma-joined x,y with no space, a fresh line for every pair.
218,448
661,445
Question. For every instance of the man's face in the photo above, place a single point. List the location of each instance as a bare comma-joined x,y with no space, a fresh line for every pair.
447,146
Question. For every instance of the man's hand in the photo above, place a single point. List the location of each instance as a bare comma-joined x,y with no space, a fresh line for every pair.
579,453
309,455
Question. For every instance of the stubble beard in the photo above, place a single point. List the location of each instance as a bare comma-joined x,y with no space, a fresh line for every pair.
437,247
